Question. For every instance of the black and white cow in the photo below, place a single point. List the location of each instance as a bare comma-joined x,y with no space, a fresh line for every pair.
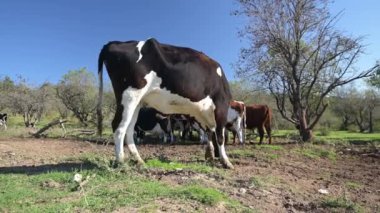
3,120
171,79
151,121
186,125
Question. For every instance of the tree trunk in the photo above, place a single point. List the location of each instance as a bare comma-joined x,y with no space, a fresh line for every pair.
306,135
53,123
305,132
370,122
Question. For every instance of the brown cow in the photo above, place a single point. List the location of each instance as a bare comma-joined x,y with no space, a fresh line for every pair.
259,116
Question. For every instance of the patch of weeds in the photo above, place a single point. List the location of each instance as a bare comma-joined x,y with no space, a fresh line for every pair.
324,131
201,194
256,182
272,156
101,162
341,203
270,147
353,185
314,152
263,181
171,166
321,141
163,164
241,153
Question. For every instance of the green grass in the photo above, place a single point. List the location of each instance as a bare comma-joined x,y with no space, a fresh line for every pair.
352,136
332,136
334,203
107,190
314,151
353,185
236,153
171,165
263,181
269,147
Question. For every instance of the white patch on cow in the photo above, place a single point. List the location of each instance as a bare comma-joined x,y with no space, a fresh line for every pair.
222,152
232,115
3,124
219,71
169,103
139,47
157,130
235,119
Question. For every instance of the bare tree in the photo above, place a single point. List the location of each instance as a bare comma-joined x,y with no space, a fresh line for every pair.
297,55
28,102
77,91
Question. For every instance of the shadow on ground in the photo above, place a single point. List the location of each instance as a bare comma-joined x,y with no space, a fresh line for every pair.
40,169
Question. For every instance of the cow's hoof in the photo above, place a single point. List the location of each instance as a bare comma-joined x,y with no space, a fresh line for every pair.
140,162
228,165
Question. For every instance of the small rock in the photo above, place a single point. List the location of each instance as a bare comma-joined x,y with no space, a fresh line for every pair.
323,191
78,178
242,191
266,192
11,153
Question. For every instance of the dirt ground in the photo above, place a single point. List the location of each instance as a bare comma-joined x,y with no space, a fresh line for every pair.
288,182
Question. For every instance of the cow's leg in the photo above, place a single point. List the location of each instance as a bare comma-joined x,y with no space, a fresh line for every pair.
129,135
226,134
240,136
240,130
222,152
124,123
261,133
119,133
269,132
210,153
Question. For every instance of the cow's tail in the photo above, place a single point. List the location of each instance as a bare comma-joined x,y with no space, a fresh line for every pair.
100,98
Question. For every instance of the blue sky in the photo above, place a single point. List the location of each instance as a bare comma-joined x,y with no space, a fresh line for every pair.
42,40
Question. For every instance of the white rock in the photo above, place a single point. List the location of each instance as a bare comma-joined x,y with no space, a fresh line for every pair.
78,178
323,191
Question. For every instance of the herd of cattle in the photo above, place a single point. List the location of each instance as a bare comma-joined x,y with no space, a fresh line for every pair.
239,118
174,81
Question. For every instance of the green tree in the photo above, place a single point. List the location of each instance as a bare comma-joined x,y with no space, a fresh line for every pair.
77,91
7,85
374,80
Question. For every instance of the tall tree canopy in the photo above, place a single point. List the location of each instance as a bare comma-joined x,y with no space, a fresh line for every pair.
295,52
77,91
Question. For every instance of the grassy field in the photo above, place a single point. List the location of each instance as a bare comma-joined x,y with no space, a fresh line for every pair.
187,183
103,189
